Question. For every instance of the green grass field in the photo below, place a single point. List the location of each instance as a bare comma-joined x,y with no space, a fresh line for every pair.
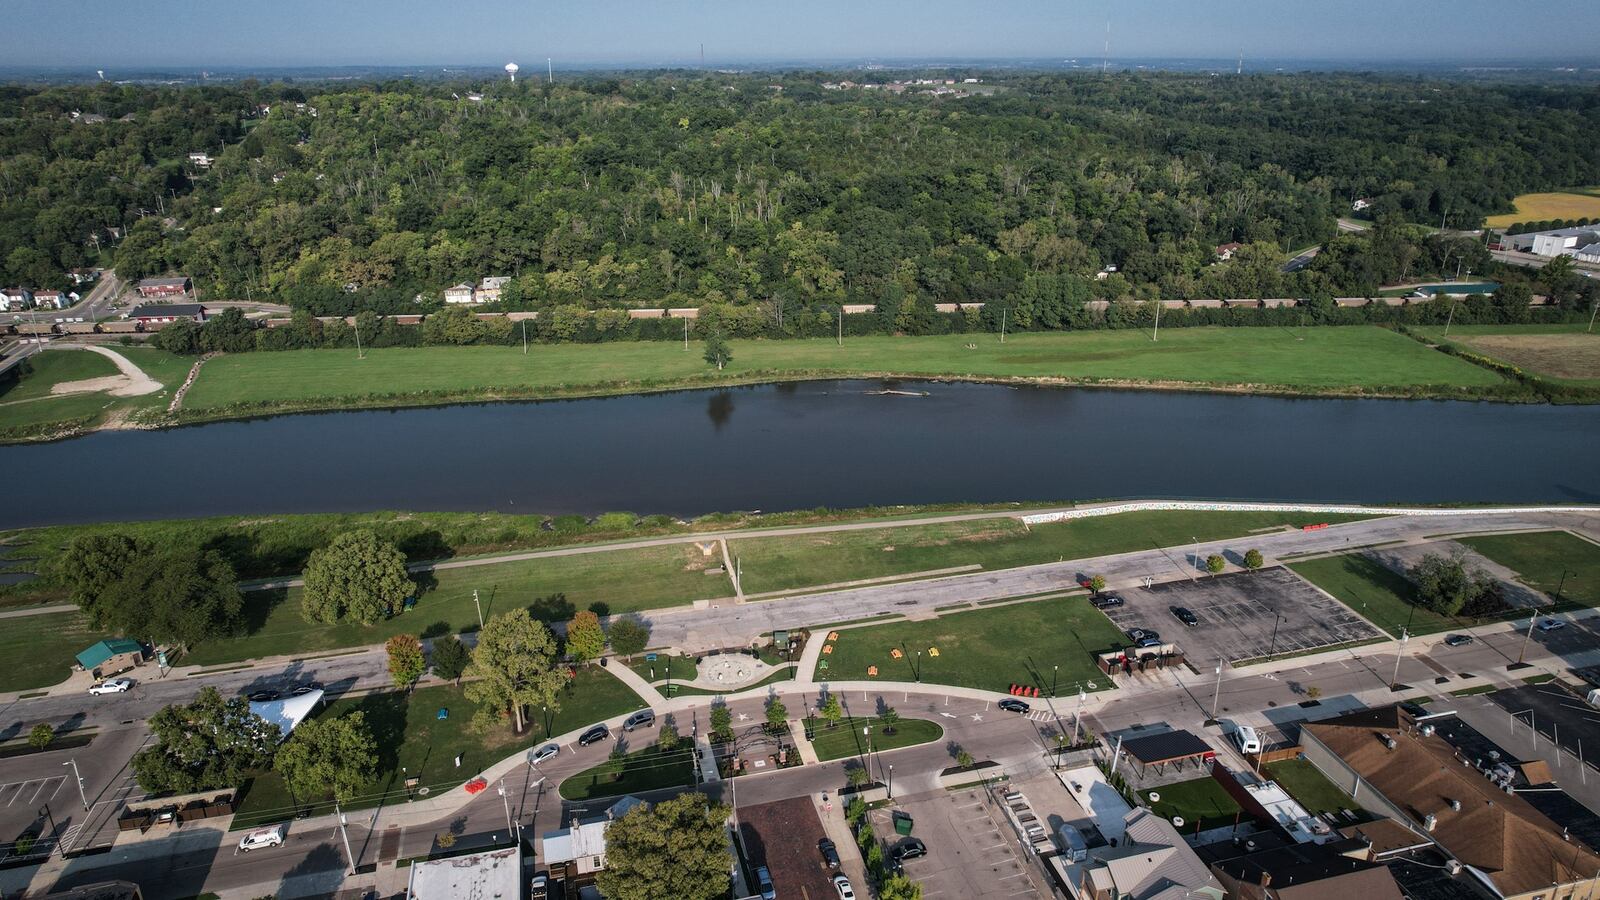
798,561
413,741
643,770
21,405
1308,786
1323,358
1385,598
39,650
1539,559
988,648
1201,802
845,739
618,581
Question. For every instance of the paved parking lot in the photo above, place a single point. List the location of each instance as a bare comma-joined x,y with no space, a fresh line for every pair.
972,851
1243,616
783,836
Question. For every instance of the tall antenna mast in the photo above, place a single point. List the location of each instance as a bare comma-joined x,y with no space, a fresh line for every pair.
702,55
1105,59
1240,70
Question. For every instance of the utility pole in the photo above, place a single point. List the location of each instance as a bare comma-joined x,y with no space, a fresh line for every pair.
1525,639
686,334
1157,335
512,828
1592,310
1002,326
79,778
841,325
524,337
479,606
1450,318
1216,693
344,833
1077,716
1399,650
360,354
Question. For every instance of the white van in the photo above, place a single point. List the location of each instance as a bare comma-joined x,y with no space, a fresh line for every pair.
1247,739
271,836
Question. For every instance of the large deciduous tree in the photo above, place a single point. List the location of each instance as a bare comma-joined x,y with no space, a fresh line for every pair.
586,640
357,576
406,662
332,756
1446,585
182,595
629,636
512,668
450,657
677,848
718,353
207,744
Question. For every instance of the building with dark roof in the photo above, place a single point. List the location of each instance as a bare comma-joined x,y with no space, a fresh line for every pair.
1395,765
1300,871
1172,748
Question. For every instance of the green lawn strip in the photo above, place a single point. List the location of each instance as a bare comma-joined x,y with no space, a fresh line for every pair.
846,740
990,649
39,650
54,367
413,742
616,581
796,561
1312,358
1201,802
1474,691
1308,786
678,690
1539,558
1541,678
1384,597
643,770
678,668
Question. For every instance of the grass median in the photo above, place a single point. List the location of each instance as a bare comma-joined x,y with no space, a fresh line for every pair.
1045,643
1552,562
649,769
845,739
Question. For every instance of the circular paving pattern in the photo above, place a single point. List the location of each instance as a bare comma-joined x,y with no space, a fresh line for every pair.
731,670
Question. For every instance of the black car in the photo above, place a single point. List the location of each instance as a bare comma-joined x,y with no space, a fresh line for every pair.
1185,616
593,736
830,853
910,848
306,688
1106,601
1012,704
1141,635
1458,640
264,696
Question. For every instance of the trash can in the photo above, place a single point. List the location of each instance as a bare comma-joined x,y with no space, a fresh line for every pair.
902,823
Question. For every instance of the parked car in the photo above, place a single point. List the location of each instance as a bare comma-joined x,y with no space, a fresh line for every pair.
764,884
1551,624
639,719
830,853
548,751
594,735
1458,640
1247,738
842,885
264,696
1139,634
271,836
306,688
112,686
1106,601
1185,616
910,848
1012,704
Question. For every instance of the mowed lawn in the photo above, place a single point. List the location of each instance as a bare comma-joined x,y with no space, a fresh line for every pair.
1201,802
1539,558
846,739
1322,357
1384,597
1310,787
553,589
39,650
54,367
989,649
414,742
649,769
799,561
1567,352
1543,207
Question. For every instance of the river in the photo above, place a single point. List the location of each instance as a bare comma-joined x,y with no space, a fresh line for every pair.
820,443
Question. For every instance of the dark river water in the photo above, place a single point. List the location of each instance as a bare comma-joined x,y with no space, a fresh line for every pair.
823,443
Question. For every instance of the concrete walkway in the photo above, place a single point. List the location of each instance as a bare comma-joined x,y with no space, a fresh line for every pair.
625,674
38,611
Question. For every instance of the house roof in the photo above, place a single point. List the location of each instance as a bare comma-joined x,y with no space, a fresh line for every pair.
166,310
101,651
480,876
586,837
1166,747
1499,834
1386,836
1152,862
172,281
1312,872
463,286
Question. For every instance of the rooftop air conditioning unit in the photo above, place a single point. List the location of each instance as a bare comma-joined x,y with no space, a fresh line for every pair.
1453,866
1428,821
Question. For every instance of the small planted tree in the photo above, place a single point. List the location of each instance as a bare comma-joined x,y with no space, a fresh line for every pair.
832,711
777,715
1097,583
855,776
889,718
629,636
450,657
722,722
406,662
718,353
1215,563
668,739
1252,559
964,759
41,736
585,639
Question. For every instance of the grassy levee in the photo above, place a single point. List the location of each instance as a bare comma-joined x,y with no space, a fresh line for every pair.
1334,360
798,561
28,410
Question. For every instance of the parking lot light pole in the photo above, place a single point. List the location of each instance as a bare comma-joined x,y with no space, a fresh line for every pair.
1562,583
891,781
1526,637
479,607
1216,695
1399,651
79,778
1077,717
1273,646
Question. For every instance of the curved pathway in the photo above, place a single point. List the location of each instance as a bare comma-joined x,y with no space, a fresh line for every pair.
132,382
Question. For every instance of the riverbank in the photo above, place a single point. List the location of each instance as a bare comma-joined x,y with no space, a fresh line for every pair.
1325,361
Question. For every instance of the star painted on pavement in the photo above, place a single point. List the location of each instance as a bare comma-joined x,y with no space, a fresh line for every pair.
977,718
743,717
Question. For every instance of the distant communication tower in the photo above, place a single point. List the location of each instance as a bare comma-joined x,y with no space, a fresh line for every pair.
511,69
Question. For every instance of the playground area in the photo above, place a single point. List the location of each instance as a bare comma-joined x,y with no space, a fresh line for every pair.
1242,616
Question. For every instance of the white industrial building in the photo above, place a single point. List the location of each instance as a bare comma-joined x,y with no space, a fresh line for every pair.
495,875
1576,241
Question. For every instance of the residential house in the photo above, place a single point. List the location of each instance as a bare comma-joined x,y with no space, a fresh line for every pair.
83,276
1151,862
155,288
1225,251
53,299
167,313
461,293
15,299
201,159
1365,203
103,659
574,854
1395,764
489,288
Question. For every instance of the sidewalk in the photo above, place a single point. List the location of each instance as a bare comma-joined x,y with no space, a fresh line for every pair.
625,674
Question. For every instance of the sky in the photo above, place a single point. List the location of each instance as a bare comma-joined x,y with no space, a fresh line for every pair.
111,33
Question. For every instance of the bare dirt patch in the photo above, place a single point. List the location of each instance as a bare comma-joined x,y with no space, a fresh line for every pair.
1557,355
131,382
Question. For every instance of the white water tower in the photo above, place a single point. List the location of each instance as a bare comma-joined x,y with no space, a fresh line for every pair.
511,69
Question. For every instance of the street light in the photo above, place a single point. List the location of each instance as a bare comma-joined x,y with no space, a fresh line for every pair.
75,774
1216,695
1399,650
479,608
1055,673
891,781
1273,647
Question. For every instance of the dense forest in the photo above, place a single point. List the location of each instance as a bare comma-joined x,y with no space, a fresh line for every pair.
767,191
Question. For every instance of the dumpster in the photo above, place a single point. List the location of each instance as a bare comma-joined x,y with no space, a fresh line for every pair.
902,822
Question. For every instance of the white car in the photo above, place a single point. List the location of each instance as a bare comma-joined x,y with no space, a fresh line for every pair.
271,836
548,751
112,686
1551,624
842,885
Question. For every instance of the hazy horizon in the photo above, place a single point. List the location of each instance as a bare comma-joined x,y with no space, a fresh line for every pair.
74,34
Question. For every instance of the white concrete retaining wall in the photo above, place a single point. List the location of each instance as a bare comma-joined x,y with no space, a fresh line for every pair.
1112,509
